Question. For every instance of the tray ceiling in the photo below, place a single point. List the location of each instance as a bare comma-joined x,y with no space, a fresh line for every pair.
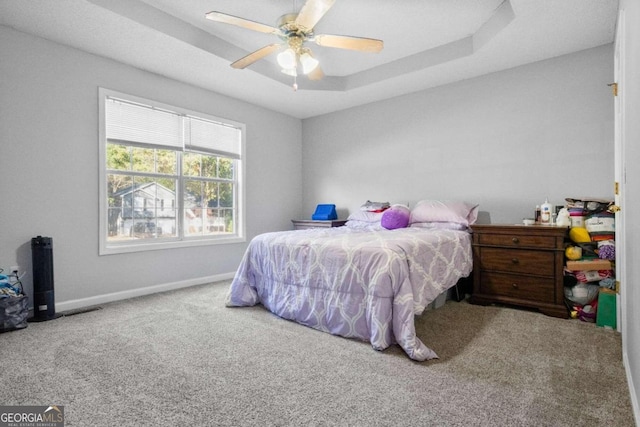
426,43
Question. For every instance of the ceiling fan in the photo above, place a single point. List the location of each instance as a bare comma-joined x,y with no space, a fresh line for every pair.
295,30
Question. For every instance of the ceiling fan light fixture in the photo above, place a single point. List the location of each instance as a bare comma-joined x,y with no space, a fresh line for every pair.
295,30
290,71
287,59
309,63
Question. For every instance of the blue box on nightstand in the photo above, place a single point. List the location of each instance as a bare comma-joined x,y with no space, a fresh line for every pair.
325,213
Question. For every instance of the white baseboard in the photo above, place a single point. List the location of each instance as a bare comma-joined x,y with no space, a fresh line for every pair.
632,390
117,296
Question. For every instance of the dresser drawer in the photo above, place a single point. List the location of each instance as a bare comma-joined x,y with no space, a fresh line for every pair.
541,263
515,286
517,241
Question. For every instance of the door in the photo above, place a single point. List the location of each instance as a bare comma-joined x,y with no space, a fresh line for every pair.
619,168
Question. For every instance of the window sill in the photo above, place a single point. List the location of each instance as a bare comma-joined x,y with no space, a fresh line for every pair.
174,244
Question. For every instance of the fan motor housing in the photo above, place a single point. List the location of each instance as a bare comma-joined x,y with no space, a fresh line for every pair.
287,24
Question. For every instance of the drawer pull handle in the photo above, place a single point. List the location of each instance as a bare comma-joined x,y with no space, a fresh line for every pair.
515,285
515,240
515,260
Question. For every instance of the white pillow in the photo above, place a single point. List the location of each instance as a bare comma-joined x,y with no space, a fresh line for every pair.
363,225
444,211
365,216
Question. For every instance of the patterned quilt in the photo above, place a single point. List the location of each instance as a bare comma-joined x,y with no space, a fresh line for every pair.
355,283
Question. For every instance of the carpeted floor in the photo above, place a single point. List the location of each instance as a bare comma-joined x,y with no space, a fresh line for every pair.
183,358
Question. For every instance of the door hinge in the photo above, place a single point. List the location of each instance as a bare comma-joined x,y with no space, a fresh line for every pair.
614,88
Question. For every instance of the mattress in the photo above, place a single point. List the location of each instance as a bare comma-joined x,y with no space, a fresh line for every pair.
355,283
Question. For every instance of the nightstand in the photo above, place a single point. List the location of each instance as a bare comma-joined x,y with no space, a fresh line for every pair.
301,224
520,265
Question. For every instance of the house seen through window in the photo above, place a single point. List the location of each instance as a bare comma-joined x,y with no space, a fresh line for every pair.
171,177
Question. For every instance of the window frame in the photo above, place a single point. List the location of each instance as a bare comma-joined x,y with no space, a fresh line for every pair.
182,239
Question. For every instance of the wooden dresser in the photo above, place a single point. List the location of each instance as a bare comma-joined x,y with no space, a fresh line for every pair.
520,265
300,224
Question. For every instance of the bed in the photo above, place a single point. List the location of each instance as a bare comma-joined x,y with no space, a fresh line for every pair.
360,281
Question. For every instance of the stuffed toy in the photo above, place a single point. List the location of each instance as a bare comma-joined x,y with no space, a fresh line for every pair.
563,219
397,216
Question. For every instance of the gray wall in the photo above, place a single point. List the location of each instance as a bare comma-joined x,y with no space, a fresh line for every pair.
49,167
506,140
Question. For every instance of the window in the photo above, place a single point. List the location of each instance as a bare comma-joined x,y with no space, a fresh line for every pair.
169,177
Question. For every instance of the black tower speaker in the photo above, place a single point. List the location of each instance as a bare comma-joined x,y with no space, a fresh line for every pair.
44,307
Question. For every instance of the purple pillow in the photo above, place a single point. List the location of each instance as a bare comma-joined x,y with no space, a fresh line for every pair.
397,216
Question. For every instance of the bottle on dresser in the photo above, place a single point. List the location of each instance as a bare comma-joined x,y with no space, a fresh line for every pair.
545,212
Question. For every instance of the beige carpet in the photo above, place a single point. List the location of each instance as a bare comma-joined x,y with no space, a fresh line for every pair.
182,358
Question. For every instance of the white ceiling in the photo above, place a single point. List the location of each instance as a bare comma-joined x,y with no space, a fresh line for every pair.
426,42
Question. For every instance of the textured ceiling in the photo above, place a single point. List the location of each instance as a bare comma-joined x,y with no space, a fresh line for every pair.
426,42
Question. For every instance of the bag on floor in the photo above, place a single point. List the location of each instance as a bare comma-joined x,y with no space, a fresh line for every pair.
13,313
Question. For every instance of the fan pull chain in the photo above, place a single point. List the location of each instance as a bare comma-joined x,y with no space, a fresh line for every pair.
295,83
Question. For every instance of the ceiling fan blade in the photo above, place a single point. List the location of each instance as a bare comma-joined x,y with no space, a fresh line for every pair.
349,42
312,12
254,56
316,74
240,22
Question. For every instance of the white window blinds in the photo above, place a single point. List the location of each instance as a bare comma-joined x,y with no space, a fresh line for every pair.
212,137
141,124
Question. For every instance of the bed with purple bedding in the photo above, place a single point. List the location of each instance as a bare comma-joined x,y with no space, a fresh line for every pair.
366,283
